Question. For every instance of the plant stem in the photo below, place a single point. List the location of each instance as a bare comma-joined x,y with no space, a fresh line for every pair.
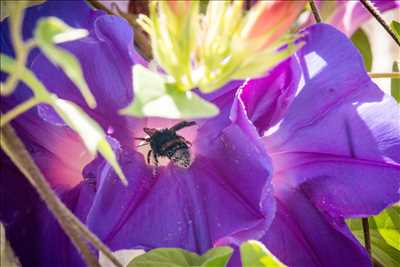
74,227
97,243
375,13
99,5
18,110
17,152
367,239
315,11
395,75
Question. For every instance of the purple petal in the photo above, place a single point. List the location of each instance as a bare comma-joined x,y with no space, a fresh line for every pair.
268,98
340,186
346,97
106,58
58,151
303,236
219,199
341,125
337,147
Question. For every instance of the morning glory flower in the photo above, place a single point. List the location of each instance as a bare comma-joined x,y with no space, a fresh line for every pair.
315,115
224,197
334,140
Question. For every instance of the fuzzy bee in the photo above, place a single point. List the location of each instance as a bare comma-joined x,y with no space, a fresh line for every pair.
167,143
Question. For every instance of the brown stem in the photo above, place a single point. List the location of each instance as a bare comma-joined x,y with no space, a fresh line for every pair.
367,238
375,13
97,243
315,11
17,152
392,75
30,170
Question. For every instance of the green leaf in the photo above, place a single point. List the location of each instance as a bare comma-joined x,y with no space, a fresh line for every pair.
396,28
388,225
254,254
395,84
361,41
90,132
384,233
153,97
176,257
7,7
52,30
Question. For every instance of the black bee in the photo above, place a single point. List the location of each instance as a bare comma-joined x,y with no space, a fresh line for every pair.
166,143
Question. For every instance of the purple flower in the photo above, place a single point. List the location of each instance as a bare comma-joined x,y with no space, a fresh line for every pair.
224,197
334,139
332,135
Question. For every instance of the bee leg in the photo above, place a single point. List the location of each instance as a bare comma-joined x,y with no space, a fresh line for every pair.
148,156
155,160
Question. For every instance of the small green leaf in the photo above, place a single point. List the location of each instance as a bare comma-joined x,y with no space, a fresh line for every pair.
254,254
176,257
396,28
395,84
153,97
385,235
52,30
7,7
90,132
361,41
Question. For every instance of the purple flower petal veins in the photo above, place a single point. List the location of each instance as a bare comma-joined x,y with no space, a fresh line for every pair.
334,139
